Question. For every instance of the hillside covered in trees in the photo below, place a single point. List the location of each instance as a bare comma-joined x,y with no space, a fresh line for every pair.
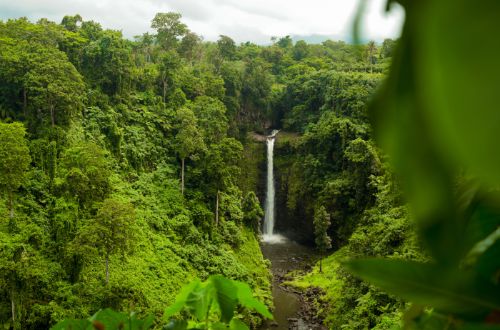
129,168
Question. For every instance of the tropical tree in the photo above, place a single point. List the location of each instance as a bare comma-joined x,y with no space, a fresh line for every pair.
252,211
190,47
188,139
72,23
371,49
285,42
85,173
221,166
212,120
387,48
111,231
14,160
146,42
300,50
169,28
24,272
53,85
14,64
321,225
226,47
169,64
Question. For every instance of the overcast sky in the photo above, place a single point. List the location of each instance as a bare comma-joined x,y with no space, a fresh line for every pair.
243,20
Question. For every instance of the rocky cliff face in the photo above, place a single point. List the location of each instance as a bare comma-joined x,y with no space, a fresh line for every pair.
293,216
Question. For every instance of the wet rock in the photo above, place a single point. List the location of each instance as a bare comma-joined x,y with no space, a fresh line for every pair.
293,323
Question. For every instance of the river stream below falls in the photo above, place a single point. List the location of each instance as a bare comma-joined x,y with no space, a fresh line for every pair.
286,256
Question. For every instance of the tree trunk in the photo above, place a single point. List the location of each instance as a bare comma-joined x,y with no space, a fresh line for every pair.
217,210
107,268
11,205
321,264
164,90
182,176
25,102
13,310
52,116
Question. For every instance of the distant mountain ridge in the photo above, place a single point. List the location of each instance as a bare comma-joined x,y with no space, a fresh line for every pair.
317,38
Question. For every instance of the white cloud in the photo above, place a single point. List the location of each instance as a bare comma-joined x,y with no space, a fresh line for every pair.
255,20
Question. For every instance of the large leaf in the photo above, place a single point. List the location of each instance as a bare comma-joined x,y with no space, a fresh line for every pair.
136,324
237,325
458,77
488,262
435,321
402,129
225,293
200,299
483,220
180,300
110,319
176,325
73,325
246,299
450,291
219,326
479,326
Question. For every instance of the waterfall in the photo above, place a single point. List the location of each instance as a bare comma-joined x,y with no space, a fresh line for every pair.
268,230
269,217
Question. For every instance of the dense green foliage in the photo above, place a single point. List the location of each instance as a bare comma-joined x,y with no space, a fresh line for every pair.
133,177
15,159
107,319
118,175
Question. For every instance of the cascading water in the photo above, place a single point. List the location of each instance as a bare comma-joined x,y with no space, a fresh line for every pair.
268,230
269,217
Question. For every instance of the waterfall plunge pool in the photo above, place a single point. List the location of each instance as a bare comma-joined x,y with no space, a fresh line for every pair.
273,239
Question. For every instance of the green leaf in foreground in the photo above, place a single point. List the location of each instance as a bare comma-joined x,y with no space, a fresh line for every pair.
438,321
198,299
135,323
73,325
180,300
176,325
110,319
450,291
237,325
246,299
226,296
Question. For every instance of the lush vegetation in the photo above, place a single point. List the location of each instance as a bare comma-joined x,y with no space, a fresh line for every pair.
129,168
121,160
119,169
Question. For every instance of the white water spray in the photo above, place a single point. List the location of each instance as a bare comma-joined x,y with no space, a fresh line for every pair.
268,230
